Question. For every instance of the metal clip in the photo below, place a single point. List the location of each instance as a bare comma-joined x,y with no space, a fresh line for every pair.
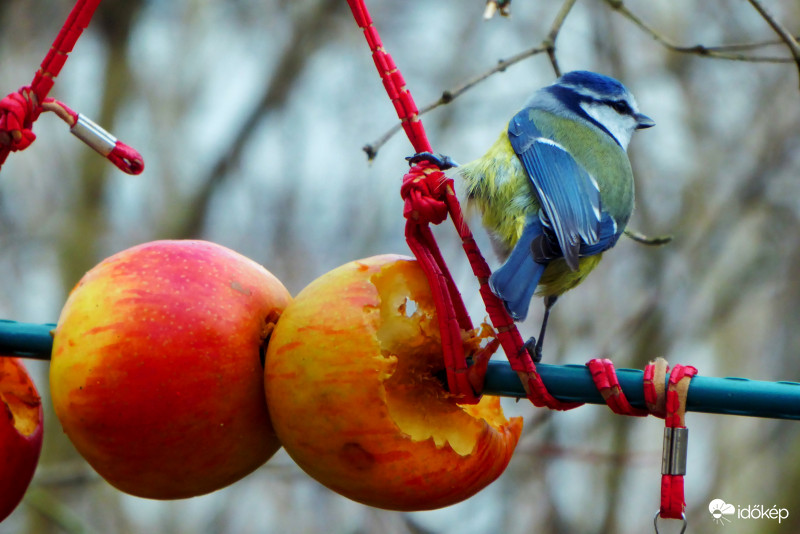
94,135
676,446
683,517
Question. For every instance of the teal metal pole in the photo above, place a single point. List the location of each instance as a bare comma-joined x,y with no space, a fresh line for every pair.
26,340
732,396
571,383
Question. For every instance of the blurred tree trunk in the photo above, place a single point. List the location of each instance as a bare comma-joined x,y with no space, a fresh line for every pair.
79,244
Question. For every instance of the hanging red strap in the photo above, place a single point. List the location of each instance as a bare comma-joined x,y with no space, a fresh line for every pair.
429,197
19,110
667,402
676,435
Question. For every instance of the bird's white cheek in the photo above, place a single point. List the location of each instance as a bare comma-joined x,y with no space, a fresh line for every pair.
620,126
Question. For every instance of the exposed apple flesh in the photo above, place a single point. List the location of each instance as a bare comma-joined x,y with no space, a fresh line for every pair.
21,431
354,390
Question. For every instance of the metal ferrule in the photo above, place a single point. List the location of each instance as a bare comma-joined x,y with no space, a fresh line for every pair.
676,446
93,135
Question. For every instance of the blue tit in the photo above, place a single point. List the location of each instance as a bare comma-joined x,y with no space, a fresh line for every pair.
556,189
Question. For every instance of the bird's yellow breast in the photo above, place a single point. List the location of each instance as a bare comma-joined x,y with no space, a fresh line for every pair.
499,188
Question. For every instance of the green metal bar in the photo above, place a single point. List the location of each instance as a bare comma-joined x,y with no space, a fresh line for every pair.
572,383
732,396
26,340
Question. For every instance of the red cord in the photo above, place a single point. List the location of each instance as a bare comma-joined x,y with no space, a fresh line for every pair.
668,403
76,22
605,379
429,197
19,110
673,502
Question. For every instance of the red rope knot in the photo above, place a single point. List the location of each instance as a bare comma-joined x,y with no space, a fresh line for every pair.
424,190
18,111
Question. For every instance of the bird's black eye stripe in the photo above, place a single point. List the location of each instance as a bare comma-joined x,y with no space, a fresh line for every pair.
620,106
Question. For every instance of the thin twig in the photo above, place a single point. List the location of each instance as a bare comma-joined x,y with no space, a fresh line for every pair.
547,46
550,42
782,32
746,46
654,241
715,52
449,95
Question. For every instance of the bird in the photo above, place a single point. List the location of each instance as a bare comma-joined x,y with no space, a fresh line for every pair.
556,189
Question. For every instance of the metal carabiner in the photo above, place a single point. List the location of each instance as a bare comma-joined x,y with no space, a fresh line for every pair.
658,514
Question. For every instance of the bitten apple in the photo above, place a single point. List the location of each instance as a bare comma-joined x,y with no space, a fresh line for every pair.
21,427
353,385
156,373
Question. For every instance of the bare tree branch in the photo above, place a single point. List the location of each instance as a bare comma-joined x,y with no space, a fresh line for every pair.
718,52
782,32
746,46
550,42
546,46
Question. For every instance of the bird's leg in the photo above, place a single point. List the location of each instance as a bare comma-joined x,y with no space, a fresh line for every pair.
534,346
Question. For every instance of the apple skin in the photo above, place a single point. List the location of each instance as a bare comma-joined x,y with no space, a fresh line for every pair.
352,388
156,372
21,431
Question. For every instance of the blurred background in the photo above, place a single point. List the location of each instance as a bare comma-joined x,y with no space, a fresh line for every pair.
251,116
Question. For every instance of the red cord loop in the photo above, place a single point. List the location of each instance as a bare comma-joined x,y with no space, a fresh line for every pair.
605,378
126,158
18,110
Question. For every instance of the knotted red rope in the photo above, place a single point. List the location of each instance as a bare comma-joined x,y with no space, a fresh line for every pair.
429,197
19,110
672,499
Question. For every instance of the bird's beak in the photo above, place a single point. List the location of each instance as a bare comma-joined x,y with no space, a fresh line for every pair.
643,121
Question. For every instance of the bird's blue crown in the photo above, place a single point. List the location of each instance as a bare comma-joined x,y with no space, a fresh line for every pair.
602,86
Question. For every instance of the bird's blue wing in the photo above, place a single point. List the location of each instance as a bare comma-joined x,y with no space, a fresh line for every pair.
607,236
516,280
569,196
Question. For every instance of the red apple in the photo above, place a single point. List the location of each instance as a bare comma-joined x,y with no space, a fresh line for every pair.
156,373
21,426
353,388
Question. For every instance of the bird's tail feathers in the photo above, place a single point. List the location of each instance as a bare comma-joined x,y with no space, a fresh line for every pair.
516,280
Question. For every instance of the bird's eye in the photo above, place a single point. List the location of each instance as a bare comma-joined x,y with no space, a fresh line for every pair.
621,107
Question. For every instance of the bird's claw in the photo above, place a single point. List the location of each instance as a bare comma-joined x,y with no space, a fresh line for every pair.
534,349
440,160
